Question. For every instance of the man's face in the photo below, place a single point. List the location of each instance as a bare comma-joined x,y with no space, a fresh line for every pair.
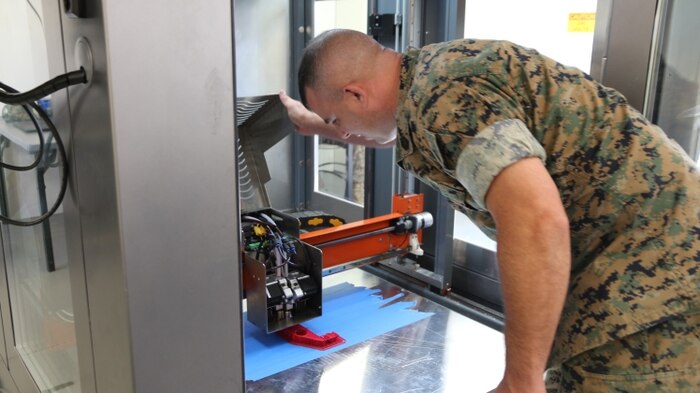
352,119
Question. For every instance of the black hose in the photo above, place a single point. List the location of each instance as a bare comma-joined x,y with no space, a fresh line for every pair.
45,89
64,174
10,96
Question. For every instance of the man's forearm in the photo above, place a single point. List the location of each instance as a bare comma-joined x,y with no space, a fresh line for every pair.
534,262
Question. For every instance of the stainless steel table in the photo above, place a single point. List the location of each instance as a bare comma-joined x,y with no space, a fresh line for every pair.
446,352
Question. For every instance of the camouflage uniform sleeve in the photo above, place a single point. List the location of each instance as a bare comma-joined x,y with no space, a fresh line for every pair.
493,149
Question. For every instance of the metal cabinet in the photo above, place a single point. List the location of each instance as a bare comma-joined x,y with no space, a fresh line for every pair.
145,295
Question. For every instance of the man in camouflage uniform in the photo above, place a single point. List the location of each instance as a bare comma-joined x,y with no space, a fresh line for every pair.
596,212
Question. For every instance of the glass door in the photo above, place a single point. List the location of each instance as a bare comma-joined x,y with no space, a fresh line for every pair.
560,29
38,316
673,97
338,169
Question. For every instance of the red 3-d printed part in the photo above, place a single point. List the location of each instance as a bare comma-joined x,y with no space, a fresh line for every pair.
299,335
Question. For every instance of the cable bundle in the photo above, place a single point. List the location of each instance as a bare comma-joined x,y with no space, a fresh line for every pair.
10,96
263,236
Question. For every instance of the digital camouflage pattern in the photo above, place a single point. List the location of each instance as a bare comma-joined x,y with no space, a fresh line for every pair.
651,361
632,195
504,142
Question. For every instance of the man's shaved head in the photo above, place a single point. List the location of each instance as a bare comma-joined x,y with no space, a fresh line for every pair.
334,58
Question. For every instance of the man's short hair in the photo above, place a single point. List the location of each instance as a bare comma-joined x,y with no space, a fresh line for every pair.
308,68
314,58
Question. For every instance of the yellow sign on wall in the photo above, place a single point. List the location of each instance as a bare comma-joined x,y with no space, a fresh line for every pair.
581,22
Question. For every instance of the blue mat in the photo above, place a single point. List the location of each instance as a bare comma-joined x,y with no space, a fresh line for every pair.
355,313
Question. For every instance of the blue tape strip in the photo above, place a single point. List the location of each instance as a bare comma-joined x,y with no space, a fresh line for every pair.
355,313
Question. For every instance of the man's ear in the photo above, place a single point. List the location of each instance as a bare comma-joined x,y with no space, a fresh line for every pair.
356,93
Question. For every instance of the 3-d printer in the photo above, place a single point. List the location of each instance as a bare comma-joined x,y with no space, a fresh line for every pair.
283,266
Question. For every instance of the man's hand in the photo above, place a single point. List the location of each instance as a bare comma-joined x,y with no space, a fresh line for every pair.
306,122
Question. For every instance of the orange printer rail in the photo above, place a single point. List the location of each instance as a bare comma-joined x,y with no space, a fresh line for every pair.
373,237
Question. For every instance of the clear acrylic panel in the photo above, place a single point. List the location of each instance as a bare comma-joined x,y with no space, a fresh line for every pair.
36,256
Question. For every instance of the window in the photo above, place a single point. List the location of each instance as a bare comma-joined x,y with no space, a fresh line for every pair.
339,168
562,30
